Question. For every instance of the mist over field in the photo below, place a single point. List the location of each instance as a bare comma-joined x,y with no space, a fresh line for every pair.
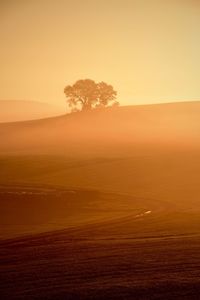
109,200
109,131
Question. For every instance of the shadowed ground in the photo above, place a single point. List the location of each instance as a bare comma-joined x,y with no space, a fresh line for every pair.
140,250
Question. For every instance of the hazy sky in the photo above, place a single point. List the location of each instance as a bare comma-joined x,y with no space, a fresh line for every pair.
147,49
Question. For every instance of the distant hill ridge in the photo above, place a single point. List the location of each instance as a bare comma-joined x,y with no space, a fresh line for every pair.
20,110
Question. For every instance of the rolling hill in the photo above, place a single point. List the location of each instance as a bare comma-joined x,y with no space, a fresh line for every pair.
113,131
150,151
102,205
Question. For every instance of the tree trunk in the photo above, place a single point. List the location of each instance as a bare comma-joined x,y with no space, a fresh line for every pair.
86,107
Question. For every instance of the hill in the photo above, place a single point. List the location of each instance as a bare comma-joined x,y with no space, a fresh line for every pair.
20,110
114,130
107,201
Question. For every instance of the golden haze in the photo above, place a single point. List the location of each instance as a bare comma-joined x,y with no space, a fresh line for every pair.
148,50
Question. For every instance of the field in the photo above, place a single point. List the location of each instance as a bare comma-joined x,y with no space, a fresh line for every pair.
101,224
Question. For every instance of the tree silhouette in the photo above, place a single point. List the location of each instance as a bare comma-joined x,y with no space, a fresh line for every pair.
87,94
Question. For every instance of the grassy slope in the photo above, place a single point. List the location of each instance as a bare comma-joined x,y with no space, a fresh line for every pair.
166,176
117,157
149,153
110,132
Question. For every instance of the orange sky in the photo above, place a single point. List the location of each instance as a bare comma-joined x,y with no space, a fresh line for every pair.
147,49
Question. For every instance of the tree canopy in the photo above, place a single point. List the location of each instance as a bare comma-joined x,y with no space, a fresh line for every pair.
86,94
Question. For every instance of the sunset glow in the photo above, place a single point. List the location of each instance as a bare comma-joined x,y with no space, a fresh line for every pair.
148,50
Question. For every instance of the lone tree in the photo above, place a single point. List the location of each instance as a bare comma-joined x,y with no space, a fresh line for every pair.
87,94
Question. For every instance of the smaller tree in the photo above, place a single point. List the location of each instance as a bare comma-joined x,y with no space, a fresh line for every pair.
87,95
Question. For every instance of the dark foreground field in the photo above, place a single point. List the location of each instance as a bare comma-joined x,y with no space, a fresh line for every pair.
121,247
59,266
